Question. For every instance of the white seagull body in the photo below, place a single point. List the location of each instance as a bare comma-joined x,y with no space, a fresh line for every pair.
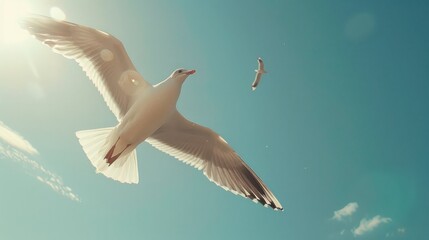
259,72
144,112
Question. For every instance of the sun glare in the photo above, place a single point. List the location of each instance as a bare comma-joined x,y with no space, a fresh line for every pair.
10,31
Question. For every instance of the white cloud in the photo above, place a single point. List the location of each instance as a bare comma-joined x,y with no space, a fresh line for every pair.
15,140
15,147
369,225
399,231
58,186
348,210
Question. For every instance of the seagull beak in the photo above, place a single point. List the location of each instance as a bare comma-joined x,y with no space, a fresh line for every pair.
190,72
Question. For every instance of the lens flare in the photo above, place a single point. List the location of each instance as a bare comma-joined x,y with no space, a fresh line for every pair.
57,13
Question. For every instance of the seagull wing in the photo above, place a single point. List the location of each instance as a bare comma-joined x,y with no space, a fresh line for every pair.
256,81
101,56
205,150
261,67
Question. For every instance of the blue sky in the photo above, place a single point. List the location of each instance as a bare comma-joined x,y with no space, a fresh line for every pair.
337,128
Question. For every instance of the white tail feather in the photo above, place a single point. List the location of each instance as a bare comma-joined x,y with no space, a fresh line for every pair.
96,143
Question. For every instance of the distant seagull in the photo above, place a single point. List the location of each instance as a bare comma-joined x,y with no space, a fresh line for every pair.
144,112
259,72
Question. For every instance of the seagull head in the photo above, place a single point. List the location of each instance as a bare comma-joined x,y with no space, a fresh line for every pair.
181,74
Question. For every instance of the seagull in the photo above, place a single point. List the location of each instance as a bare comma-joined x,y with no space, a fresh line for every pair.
259,73
144,112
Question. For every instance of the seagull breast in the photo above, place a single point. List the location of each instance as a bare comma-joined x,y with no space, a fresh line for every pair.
151,109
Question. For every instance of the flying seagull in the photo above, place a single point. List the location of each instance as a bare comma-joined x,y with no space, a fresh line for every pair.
144,112
259,72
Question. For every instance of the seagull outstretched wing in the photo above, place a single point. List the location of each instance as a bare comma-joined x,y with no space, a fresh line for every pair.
101,56
205,150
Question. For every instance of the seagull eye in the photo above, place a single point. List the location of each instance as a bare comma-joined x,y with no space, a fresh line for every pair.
180,71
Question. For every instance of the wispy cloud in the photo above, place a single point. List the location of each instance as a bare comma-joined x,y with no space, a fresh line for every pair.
348,210
14,146
15,140
399,232
367,225
57,185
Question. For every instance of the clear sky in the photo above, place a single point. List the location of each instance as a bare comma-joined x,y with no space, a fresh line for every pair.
338,128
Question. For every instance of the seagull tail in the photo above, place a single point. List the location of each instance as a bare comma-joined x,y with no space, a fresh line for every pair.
96,144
